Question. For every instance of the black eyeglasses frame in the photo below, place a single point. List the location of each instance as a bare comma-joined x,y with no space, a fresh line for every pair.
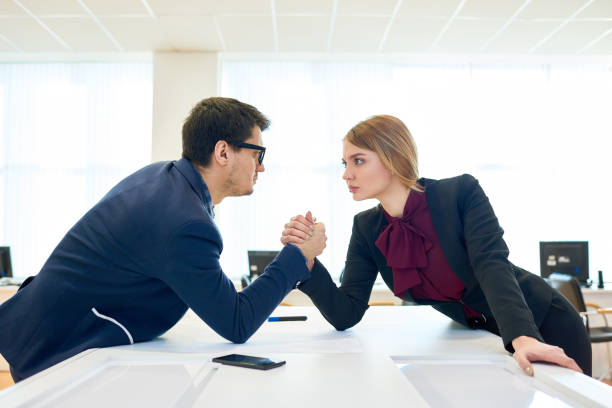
262,150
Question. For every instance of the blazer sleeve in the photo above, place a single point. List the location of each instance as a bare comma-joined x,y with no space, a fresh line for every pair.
344,306
488,254
194,273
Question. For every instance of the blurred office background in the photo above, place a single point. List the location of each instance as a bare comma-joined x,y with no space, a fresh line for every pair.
515,92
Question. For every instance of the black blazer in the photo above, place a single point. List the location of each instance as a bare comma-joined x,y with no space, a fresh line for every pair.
471,239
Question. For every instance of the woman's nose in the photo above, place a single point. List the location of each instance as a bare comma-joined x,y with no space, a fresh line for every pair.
346,175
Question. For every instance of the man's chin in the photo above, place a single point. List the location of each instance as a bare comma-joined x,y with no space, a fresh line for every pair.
245,193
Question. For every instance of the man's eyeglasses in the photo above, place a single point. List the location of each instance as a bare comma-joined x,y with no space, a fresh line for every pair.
262,150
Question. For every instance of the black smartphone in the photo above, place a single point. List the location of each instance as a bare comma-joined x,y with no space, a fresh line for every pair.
259,363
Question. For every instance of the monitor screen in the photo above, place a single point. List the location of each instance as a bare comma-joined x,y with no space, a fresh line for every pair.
566,257
5,262
258,260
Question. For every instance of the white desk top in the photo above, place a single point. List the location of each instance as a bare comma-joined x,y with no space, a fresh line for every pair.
442,364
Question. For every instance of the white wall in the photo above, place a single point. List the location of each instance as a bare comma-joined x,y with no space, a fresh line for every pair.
180,80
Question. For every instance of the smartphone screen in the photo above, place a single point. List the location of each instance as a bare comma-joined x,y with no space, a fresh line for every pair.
259,363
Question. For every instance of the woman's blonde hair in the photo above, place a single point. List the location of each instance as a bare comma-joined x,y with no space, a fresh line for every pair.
388,137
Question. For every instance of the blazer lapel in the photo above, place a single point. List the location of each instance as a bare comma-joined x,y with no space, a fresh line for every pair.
449,228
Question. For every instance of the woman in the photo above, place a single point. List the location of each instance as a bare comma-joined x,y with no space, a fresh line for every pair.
437,242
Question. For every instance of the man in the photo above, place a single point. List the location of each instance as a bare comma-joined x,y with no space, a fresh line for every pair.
129,269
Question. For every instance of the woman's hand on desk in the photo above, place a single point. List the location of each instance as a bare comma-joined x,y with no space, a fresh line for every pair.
528,349
303,232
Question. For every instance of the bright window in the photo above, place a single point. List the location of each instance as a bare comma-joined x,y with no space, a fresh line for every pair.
535,137
68,133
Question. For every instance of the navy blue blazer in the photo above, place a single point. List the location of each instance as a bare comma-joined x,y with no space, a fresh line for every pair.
472,242
129,269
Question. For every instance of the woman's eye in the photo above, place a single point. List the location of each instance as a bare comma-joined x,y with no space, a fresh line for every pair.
343,164
359,161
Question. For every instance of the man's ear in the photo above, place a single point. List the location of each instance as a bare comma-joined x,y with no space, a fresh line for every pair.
222,153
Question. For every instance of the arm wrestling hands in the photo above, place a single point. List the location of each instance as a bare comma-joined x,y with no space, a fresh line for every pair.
307,234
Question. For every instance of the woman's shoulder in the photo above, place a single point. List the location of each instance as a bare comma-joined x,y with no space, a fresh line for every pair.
462,179
369,216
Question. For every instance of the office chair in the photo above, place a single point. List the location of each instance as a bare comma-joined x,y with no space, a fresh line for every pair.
569,287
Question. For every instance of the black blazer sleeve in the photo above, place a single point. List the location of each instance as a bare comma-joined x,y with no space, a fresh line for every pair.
344,306
488,255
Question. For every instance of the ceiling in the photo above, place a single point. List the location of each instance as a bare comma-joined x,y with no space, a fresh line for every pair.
526,27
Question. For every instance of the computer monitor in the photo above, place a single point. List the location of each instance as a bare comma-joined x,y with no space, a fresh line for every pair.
6,269
566,257
258,260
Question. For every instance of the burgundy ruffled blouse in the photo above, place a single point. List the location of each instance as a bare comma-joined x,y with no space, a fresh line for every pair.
412,249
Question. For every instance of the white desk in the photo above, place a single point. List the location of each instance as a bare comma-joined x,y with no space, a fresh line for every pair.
358,368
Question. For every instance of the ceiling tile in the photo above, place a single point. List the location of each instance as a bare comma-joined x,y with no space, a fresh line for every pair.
413,35
81,34
573,37
520,36
247,33
5,47
551,8
491,9
138,34
116,7
430,8
365,7
303,7
29,36
358,34
467,36
191,33
597,9
602,47
54,6
8,7
209,7
303,33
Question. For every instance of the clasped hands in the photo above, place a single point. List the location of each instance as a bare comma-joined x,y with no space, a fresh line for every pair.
307,234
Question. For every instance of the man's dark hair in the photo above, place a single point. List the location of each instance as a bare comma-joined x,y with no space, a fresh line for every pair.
215,119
